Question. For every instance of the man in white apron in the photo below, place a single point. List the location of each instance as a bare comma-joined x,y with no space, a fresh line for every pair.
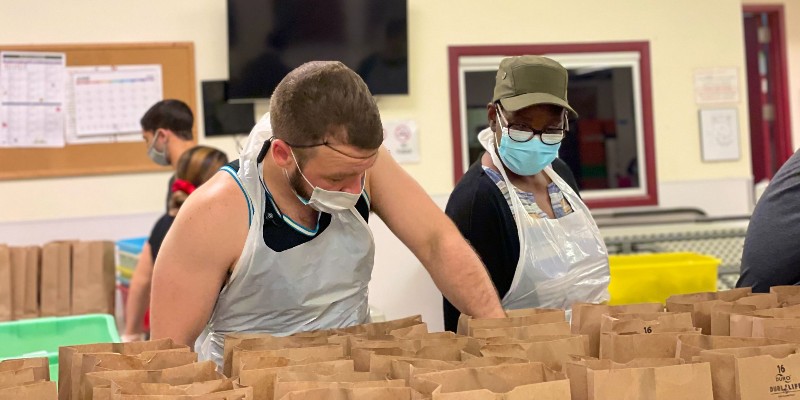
278,242
529,226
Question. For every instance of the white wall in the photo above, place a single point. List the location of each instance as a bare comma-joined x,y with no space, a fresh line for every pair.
681,38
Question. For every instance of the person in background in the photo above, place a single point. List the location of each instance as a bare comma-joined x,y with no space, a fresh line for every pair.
771,256
284,234
196,166
167,131
518,205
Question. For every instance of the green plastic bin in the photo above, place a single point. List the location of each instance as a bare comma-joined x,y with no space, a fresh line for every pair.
41,337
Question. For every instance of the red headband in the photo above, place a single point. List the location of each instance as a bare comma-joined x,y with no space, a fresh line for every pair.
183,186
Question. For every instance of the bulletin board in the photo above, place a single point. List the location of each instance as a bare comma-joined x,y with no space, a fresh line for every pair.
177,64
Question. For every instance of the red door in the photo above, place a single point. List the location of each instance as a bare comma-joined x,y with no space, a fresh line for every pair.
767,83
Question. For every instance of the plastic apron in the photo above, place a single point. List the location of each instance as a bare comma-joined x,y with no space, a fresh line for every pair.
320,284
561,261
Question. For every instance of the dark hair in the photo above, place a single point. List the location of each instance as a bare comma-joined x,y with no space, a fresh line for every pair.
319,96
170,114
196,166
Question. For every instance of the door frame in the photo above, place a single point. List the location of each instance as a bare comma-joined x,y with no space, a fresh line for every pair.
779,63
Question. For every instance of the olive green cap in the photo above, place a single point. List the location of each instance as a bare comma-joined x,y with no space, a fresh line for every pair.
527,80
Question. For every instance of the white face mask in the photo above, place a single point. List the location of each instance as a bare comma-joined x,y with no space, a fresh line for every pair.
327,201
159,157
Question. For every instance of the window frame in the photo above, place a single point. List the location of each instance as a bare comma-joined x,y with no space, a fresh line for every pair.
617,54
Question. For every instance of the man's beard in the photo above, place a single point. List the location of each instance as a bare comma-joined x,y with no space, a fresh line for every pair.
299,185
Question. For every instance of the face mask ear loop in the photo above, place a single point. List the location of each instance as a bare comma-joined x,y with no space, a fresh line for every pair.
300,171
500,124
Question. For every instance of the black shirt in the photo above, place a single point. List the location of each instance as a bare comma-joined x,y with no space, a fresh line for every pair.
169,190
481,213
158,233
771,256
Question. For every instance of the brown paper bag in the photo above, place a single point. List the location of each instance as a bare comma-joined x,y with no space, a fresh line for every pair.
260,341
262,380
16,378
6,284
219,389
139,388
726,376
398,367
524,317
789,334
147,361
380,364
100,382
622,347
40,366
523,332
646,323
25,278
443,346
754,323
326,352
70,360
721,311
410,331
552,351
776,317
362,355
785,293
286,382
38,390
768,377
402,367
555,390
496,379
586,319
578,373
721,316
382,328
700,304
690,346
391,393
762,301
56,279
93,281
631,382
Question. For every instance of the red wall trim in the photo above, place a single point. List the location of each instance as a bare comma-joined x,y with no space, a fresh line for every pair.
783,124
643,48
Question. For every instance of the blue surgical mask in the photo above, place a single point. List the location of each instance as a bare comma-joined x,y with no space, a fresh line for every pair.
525,158
159,157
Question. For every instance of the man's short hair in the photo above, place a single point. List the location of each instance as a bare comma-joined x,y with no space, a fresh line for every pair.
319,96
170,114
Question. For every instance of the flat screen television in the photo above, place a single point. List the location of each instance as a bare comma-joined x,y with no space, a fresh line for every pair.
221,117
269,38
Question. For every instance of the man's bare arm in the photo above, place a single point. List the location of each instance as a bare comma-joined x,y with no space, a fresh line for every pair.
411,215
200,248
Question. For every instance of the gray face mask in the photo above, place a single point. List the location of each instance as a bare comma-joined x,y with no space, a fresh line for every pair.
159,157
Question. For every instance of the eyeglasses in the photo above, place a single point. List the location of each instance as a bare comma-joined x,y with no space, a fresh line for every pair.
523,133
328,145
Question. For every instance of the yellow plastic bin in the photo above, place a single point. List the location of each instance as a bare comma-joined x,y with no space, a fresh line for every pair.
651,278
